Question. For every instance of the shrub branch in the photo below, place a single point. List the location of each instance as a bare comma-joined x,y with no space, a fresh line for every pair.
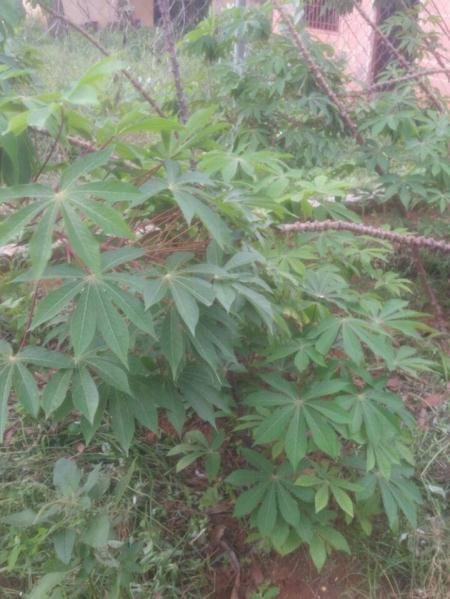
406,239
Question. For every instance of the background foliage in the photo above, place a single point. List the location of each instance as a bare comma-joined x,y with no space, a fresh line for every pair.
149,295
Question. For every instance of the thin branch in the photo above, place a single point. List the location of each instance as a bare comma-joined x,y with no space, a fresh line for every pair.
164,8
134,82
406,239
30,317
395,81
52,149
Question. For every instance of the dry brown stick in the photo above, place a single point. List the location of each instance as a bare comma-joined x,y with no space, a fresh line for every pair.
413,241
317,73
134,82
164,7
30,317
405,64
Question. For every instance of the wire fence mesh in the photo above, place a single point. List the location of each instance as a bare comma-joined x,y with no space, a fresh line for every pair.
361,33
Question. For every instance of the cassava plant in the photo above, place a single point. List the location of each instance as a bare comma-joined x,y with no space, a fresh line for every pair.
154,281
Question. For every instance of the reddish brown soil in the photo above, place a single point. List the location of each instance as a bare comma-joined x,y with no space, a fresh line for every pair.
294,575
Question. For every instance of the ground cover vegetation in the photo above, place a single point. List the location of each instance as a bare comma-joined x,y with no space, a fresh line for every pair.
180,373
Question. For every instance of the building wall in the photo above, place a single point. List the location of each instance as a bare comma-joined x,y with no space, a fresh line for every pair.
353,41
144,11
80,12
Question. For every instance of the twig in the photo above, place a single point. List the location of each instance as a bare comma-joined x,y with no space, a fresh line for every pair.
413,241
30,317
164,8
134,82
394,81
52,149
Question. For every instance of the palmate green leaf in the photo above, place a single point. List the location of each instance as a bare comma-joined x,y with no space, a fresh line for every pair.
259,302
39,356
5,390
112,326
352,345
40,246
334,538
389,504
154,291
172,341
114,258
83,321
6,351
108,219
186,306
272,427
89,429
132,308
83,166
296,441
57,271
327,332
322,433
266,516
55,302
212,465
145,407
122,420
26,389
343,500
318,552
200,289
288,506
55,391
85,395
18,220
112,191
214,224
321,498
243,477
112,374
81,239
29,190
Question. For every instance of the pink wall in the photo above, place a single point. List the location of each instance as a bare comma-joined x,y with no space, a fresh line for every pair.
440,8
353,41
80,12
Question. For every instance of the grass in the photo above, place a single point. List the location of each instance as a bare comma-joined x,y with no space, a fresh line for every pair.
159,542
